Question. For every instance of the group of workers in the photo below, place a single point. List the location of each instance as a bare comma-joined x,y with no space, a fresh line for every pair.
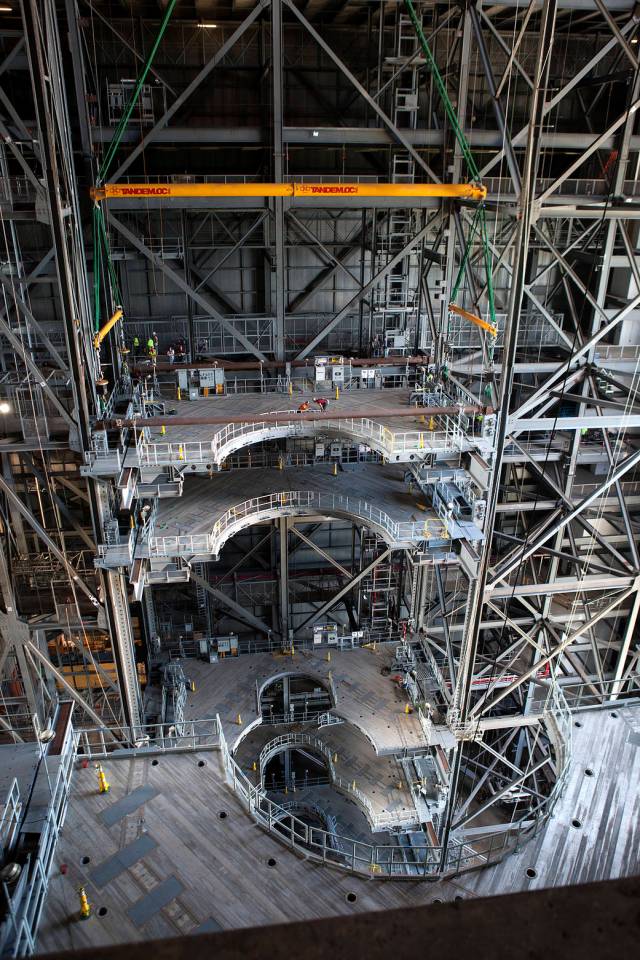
321,402
177,350
433,373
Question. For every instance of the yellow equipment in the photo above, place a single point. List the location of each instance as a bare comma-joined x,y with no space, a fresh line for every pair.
103,786
151,191
479,322
85,909
103,331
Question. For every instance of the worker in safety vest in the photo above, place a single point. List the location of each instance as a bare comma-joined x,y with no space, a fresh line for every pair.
151,347
136,347
322,402
304,407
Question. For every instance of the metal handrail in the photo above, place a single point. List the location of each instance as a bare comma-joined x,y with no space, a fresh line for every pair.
386,860
248,512
378,821
118,742
232,436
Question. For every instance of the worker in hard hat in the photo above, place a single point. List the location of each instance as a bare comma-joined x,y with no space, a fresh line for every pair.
304,406
151,347
322,402
136,346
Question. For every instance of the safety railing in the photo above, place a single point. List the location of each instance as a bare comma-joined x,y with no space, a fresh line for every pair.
628,487
10,818
612,351
593,693
377,820
311,810
574,187
116,742
373,860
118,553
251,511
399,446
427,860
25,901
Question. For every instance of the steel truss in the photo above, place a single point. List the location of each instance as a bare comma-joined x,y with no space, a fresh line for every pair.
554,595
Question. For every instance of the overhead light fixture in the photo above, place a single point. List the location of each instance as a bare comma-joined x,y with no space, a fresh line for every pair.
634,39
208,26
6,9
5,407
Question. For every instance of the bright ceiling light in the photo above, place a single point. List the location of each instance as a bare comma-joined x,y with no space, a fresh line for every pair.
4,406
634,39
5,8
208,26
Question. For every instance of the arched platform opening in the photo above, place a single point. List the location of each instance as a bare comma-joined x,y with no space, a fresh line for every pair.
291,698
290,768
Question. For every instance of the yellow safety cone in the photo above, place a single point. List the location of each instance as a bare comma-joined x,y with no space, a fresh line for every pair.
407,709
178,394
337,393
132,521
103,786
85,909
432,423
180,452
239,720
163,430
293,652
254,766
328,656
335,469
290,389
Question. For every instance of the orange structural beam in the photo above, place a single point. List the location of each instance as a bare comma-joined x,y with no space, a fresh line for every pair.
479,322
170,191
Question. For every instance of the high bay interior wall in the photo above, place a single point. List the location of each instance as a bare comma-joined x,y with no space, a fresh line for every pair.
283,91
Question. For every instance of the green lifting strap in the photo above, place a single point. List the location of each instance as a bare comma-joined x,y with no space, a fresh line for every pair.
444,96
124,119
467,251
100,238
479,219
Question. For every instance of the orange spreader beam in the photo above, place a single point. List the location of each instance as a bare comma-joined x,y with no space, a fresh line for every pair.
459,191
479,322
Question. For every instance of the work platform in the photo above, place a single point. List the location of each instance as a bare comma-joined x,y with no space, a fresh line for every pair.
183,856
210,511
376,783
199,434
361,694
